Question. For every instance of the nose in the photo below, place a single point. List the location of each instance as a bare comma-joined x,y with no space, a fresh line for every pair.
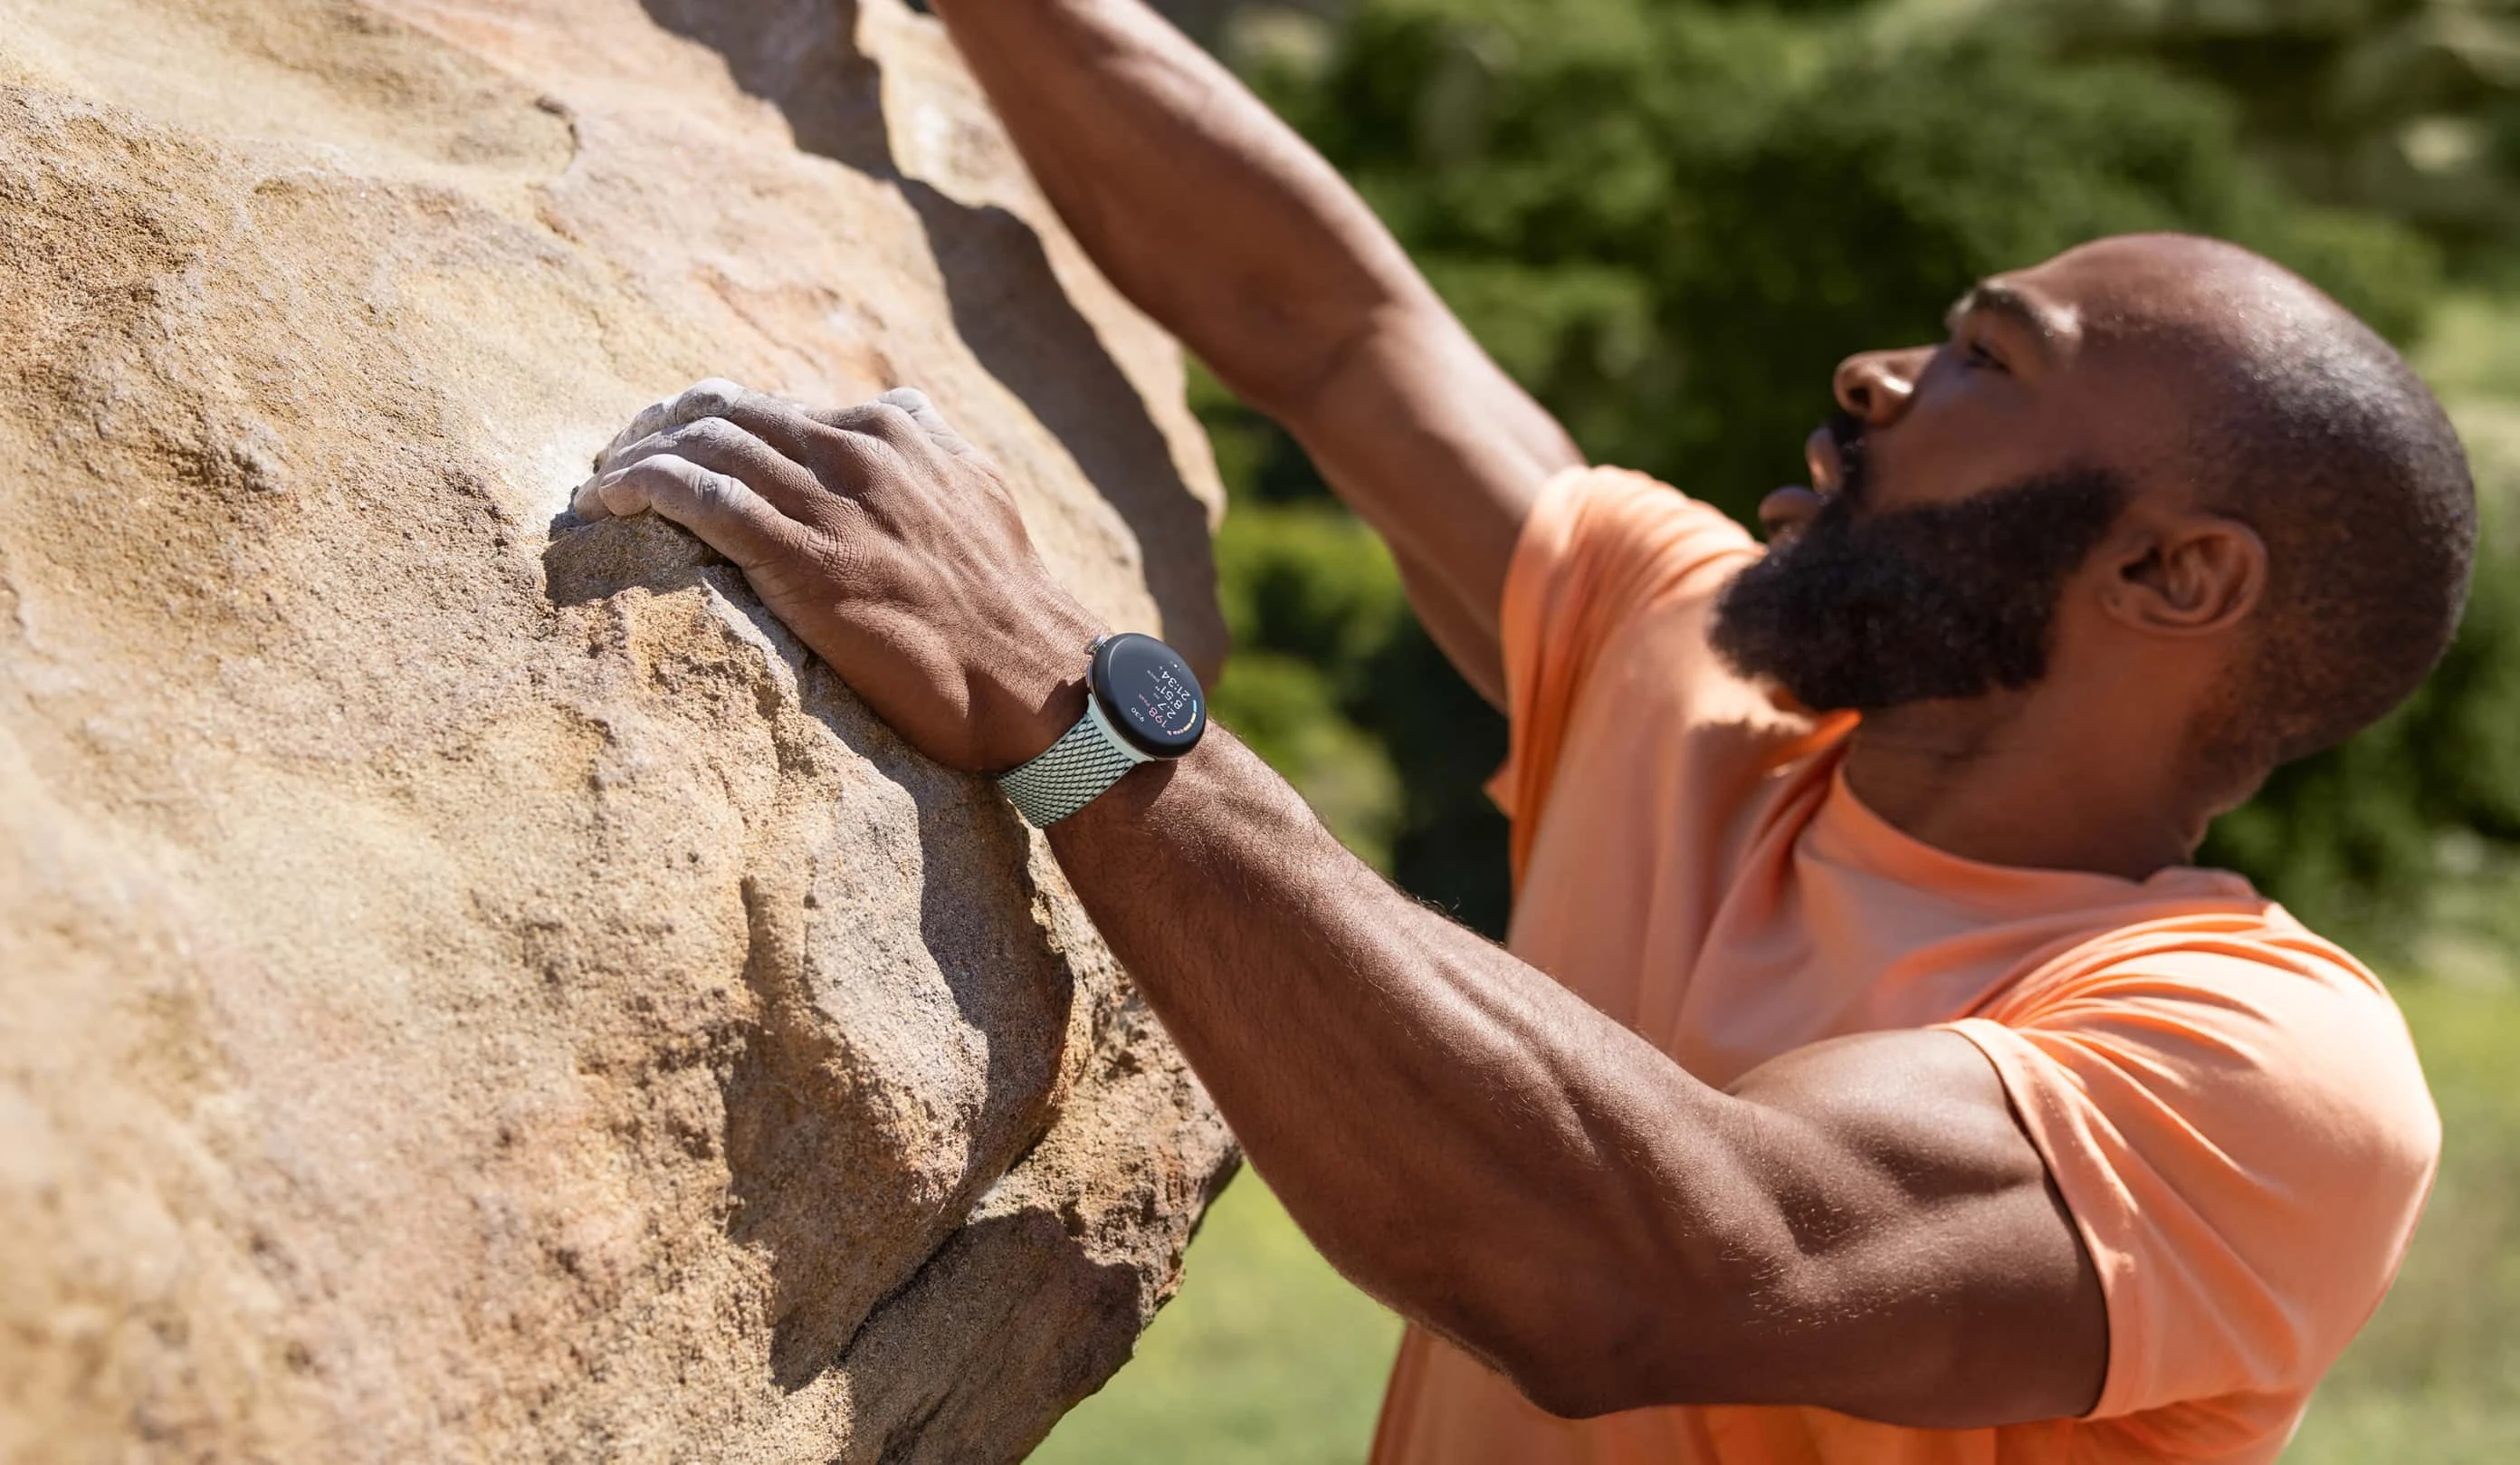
1877,385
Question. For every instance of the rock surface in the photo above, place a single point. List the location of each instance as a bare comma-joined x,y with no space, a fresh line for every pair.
468,992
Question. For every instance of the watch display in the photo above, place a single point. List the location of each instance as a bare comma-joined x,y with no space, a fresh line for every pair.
1148,693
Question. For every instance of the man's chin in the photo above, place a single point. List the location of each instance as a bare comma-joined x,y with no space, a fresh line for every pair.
1790,682
1804,699
1817,669
1786,699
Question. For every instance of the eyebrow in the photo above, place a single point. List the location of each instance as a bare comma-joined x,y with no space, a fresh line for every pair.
1989,298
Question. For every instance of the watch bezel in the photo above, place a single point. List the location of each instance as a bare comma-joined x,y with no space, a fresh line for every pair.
1098,682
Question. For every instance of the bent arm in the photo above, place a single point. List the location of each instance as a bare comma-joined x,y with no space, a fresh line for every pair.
1216,219
1861,1226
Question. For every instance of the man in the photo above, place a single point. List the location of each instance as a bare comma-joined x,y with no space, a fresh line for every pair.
1869,1076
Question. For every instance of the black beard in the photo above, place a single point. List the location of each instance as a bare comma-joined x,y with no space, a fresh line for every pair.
1940,601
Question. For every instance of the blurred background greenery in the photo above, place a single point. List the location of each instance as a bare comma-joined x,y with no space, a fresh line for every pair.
1669,220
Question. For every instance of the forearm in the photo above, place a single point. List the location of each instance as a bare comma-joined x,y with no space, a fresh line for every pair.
1198,202
1456,1133
1862,1225
1218,220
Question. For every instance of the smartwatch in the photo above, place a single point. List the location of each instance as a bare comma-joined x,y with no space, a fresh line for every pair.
1143,705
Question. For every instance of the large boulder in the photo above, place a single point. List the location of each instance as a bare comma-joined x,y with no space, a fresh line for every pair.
471,987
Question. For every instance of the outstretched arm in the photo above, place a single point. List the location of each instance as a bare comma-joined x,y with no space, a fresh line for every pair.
1221,224
1861,1226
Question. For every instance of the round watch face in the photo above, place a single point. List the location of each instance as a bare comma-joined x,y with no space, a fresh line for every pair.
1149,694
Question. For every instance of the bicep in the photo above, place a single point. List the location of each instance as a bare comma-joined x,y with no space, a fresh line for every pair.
1444,455
1927,1271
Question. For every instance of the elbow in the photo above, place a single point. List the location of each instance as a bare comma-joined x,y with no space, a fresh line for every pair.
1594,1370
1573,1393
1629,1289
1682,1331
1307,364
1616,1353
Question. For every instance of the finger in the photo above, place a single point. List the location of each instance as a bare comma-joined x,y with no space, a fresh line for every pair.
883,420
720,508
782,424
906,422
721,446
930,420
687,405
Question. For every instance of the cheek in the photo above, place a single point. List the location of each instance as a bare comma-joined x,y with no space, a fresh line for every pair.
2084,630
1921,471
1966,435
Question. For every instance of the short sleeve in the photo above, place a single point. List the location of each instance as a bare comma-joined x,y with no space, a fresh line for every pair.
1601,547
2241,1131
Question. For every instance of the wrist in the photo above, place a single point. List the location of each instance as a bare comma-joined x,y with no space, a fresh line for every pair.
1047,695
1143,705
1027,735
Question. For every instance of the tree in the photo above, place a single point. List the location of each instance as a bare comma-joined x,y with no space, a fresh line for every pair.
1670,220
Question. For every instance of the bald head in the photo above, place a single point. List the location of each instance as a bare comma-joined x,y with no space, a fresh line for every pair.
2303,423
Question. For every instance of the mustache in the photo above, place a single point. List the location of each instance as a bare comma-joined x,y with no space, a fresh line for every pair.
1846,434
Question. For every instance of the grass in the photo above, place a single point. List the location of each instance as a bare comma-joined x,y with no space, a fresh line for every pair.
1267,1355
2436,1375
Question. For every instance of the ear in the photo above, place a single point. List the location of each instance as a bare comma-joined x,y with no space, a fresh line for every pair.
2194,574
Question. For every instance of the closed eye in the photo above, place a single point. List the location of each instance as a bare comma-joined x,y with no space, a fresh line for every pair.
1975,356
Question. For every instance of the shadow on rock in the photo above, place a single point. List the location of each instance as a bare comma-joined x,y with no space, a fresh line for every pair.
1010,310
801,57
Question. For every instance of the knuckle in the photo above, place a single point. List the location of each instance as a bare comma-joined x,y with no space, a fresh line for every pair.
871,418
652,468
709,433
708,398
889,422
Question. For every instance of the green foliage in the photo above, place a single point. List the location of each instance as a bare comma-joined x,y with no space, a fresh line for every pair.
1670,222
1315,599
2408,108
1266,1358
1307,580
1333,682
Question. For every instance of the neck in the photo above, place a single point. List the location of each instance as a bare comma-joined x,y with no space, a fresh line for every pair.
2009,781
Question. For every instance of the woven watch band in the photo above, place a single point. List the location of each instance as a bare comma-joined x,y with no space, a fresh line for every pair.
1070,774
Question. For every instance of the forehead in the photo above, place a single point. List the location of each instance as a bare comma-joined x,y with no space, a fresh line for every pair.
2199,293
2137,333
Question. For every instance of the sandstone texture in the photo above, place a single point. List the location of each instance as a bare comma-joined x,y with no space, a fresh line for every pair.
471,987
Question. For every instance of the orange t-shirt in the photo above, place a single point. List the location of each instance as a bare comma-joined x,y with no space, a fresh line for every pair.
2231,1106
